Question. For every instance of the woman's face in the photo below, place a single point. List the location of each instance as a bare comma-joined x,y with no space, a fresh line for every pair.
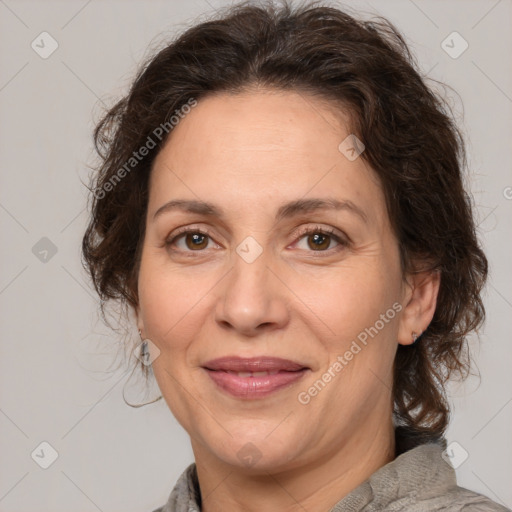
329,302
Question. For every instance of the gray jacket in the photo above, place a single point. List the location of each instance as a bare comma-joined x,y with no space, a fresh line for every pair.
418,480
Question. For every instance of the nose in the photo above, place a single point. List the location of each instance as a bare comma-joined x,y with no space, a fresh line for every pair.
253,299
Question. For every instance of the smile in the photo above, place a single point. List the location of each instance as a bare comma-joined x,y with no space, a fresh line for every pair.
252,385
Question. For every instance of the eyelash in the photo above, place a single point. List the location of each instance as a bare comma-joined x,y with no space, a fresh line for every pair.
342,243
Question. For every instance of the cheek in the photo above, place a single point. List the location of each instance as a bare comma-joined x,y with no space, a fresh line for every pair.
359,314
351,300
165,299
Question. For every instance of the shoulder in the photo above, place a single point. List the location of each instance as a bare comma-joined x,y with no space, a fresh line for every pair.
454,499
185,496
465,500
420,480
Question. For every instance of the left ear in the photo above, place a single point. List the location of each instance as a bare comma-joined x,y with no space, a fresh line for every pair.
420,301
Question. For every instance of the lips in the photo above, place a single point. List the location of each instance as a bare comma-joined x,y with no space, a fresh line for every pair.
253,364
255,377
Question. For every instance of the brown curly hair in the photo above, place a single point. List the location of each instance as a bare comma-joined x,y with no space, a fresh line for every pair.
411,141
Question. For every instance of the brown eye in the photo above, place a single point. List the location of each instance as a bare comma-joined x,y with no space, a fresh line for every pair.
318,241
196,241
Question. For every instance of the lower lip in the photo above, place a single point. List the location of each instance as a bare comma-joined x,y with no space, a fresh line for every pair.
254,387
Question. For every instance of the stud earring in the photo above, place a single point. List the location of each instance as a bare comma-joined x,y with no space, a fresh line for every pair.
415,337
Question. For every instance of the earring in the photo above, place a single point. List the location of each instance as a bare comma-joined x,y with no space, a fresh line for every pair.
144,352
144,356
415,337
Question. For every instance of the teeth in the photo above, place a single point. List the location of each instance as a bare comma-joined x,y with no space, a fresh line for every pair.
254,374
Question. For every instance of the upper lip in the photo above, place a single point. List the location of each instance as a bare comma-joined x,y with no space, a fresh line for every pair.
253,364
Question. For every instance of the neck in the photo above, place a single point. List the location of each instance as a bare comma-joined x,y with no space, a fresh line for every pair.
315,486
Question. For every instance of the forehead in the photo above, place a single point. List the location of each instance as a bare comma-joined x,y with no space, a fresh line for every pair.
277,124
262,146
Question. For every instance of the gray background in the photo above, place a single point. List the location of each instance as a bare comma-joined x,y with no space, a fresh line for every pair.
60,380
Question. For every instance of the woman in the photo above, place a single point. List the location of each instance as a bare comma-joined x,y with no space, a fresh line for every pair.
281,205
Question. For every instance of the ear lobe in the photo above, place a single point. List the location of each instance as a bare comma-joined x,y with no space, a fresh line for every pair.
138,316
422,292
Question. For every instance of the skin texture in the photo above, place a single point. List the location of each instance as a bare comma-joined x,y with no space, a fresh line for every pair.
248,154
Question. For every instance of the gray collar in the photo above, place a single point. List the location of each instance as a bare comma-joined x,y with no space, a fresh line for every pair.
417,480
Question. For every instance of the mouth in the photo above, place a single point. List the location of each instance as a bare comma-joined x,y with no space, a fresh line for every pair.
256,377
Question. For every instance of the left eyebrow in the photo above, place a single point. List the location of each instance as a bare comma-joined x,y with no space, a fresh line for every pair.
301,206
287,210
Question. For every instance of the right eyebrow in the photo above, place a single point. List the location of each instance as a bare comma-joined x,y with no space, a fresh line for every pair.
190,206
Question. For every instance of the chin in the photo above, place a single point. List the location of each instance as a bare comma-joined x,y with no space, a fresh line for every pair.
260,454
